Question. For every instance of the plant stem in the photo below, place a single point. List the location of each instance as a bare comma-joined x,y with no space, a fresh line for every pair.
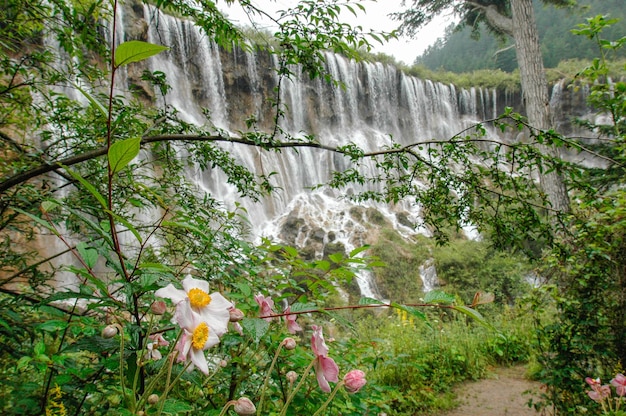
283,412
330,399
267,377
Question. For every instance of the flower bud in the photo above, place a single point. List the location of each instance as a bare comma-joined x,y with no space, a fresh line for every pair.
158,308
223,363
153,399
236,315
354,380
109,331
289,343
244,406
292,376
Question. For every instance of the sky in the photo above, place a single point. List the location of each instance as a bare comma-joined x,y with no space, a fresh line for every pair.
376,18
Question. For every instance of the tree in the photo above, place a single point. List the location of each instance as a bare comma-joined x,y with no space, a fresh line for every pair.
513,18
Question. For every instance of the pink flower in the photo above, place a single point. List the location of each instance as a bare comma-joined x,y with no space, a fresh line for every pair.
325,367
598,391
619,382
266,306
354,380
152,352
213,308
196,338
292,325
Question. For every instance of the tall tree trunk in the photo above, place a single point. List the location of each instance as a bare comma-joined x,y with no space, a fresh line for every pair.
535,94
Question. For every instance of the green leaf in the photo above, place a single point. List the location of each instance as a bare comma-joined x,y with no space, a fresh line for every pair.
92,100
52,326
370,301
40,348
122,152
474,314
410,310
38,220
437,296
175,407
135,51
359,250
92,189
89,254
255,327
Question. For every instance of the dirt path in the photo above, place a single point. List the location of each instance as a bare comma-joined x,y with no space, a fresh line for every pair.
501,393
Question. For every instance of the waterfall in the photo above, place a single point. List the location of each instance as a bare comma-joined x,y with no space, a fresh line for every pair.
428,273
372,106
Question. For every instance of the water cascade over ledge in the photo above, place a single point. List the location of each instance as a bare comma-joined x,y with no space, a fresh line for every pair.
373,106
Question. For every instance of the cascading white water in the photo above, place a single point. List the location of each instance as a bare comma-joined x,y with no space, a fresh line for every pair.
373,103
428,273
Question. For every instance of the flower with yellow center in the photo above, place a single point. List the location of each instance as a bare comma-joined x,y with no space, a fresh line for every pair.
200,336
197,336
213,308
198,298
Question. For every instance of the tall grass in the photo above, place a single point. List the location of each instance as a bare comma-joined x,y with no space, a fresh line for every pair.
418,363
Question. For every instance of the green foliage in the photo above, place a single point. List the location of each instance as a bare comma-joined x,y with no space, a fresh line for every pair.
587,338
471,47
419,364
466,267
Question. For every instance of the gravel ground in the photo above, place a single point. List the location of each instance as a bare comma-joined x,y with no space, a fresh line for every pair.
505,392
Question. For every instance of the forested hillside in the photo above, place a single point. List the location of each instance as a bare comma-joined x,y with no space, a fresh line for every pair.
465,49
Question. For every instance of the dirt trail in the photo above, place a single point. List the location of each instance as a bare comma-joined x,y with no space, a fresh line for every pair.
502,393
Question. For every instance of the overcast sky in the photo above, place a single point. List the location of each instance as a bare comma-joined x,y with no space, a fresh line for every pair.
375,18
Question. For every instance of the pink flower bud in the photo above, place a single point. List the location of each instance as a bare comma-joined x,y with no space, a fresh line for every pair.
109,331
158,308
244,406
292,376
289,343
153,399
354,380
236,315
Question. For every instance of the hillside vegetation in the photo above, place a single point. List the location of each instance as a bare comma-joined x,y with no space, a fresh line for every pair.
466,49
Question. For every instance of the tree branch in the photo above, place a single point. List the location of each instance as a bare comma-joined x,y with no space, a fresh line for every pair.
496,19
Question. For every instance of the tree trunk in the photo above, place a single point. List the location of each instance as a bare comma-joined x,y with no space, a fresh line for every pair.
535,94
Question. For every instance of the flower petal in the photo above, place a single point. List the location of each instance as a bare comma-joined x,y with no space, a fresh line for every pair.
190,283
217,314
321,380
170,292
329,368
199,360
317,342
185,317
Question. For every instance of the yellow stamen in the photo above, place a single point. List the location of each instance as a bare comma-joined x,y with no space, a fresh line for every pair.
200,336
198,298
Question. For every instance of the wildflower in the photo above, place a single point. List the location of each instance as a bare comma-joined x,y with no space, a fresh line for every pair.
196,338
266,306
152,352
292,325
213,308
289,343
158,307
235,315
598,391
244,406
291,376
619,382
325,367
354,380
109,331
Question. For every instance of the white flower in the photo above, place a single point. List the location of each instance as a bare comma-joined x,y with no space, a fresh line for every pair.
213,308
197,337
